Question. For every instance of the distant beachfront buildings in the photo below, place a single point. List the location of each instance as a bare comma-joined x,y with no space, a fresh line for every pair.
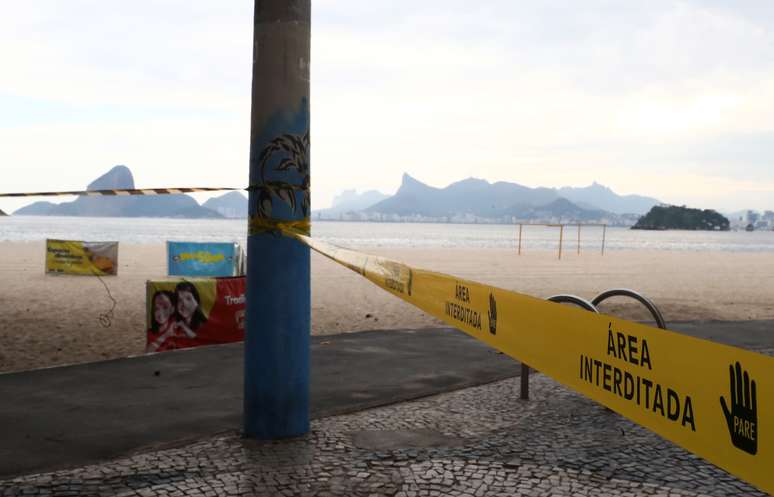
753,220
367,216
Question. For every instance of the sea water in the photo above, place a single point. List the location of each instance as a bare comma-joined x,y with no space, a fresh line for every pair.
384,235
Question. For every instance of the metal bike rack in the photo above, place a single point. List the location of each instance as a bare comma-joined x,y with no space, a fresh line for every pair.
592,306
625,292
574,299
559,299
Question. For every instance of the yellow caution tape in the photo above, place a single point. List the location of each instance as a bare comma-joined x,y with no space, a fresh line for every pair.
256,225
714,400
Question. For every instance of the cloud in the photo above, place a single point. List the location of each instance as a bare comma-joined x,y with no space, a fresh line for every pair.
540,97
636,95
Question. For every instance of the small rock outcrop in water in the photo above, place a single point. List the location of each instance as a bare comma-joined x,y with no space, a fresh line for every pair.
2,213
672,217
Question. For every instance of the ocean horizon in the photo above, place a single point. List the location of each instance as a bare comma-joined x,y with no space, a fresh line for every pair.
384,235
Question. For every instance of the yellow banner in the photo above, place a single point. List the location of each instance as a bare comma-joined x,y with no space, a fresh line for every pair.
709,398
84,258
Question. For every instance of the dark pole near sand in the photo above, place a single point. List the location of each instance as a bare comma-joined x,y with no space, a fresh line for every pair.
276,382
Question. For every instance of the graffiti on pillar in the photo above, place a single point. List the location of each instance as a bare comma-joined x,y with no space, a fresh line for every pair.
282,155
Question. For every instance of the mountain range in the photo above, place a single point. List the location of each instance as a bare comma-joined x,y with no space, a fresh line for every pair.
350,200
477,200
469,200
601,197
178,205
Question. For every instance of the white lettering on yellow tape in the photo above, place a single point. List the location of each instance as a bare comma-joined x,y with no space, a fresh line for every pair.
709,398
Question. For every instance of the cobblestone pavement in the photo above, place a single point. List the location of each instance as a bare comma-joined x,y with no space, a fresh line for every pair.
481,441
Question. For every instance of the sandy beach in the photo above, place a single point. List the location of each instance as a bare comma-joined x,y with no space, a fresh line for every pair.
52,320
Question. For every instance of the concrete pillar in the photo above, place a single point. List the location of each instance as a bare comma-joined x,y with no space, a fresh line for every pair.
276,382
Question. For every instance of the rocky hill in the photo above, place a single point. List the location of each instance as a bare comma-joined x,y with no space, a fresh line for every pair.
561,208
232,205
601,197
672,217
472,196
180,205
349,201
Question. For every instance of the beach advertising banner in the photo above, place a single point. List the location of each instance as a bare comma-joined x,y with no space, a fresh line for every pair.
84,258
190,313
204,259
714,400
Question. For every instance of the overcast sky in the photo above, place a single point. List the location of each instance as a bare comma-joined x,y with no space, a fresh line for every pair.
669,99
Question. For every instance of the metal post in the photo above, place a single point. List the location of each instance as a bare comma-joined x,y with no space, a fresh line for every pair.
579,228
278,319
519,238
561,238
604,231
524,382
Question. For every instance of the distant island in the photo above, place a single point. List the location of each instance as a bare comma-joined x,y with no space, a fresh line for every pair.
230,205
672,217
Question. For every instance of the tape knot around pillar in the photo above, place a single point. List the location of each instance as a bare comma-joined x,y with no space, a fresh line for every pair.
257,225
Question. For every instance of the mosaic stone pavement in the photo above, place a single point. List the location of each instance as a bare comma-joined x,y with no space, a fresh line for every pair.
476,442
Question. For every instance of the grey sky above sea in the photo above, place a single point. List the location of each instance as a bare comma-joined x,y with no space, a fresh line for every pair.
667,99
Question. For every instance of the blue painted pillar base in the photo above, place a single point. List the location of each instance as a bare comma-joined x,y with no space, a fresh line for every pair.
277,340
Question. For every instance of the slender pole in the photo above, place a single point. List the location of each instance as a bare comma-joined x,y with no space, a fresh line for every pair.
561,237
604,231
579,229
519,238
276,374
524,395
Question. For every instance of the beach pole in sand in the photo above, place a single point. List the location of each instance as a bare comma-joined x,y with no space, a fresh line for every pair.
520,238
278,319
604,232
579,228
561,239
